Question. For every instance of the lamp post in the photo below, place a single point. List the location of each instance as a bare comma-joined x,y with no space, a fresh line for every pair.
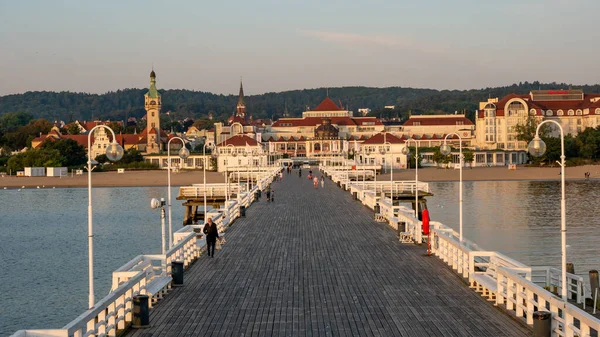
383,151
445,149
536,148
233,154
184,153
154,204
204,174
114,152
406,152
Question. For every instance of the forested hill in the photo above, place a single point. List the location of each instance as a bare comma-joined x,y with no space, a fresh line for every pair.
68,106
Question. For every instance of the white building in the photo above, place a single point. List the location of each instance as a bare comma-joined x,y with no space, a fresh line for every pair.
496,118
240,153
383,149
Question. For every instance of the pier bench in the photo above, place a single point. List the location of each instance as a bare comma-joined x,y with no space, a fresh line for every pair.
157,288
157,284
486,282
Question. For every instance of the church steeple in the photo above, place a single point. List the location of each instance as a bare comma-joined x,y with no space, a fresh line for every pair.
241,105
241,97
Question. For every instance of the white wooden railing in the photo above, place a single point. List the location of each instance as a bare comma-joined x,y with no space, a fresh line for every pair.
520,288
113,313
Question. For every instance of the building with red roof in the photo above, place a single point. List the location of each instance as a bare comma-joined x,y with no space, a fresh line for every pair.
496,118
425,127
326,129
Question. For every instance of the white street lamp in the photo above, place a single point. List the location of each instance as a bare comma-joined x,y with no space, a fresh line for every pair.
184,153
233,154
445,149
383,151
536,148
406,152
204,174
114,152
154,204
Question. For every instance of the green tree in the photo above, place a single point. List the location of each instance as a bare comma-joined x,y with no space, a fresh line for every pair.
72,129
35,158
116,127
439,158
13,120
469,157
72,154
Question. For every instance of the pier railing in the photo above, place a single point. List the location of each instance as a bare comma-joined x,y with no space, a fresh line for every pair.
521,289
146,275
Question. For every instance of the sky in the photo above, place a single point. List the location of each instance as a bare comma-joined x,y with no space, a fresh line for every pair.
279,45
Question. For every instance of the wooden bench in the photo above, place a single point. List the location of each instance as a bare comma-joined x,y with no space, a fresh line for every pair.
486,282
157,288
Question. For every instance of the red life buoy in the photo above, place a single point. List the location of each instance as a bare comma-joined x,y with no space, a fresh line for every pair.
425,217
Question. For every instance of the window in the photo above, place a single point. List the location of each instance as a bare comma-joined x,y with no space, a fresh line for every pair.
579,112
152,113
548,112
560,113
597,112
571,112
416,123
532,112
460,123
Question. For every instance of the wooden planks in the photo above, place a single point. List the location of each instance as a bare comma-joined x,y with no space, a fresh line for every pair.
315,263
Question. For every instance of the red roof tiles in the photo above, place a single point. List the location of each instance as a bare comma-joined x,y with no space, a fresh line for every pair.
327,105
383,137
429,121
240,140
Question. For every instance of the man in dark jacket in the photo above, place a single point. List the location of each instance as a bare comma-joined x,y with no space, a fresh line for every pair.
212,234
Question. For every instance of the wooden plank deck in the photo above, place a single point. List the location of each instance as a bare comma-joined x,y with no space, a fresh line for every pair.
315,263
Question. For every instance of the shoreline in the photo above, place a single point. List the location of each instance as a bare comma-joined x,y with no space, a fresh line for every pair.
158,178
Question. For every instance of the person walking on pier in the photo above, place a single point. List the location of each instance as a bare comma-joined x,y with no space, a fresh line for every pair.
322,182
268,193
300,172
212,234
316,182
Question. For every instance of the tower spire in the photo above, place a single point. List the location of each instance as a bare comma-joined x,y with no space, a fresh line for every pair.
241,105
241,97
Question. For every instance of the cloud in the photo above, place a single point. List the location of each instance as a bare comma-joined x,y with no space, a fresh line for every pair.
361,40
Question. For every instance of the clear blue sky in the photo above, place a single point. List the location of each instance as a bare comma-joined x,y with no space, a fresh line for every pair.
276,45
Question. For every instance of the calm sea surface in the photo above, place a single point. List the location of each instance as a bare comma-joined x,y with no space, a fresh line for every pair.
43,237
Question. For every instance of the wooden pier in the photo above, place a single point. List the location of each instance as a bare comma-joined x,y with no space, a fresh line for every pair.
315,263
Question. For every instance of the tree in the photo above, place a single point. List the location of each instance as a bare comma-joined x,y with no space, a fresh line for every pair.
13,120
116,127
438,157
72,154
72,129
35,158
469,157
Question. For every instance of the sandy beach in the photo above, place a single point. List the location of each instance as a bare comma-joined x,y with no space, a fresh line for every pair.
159,178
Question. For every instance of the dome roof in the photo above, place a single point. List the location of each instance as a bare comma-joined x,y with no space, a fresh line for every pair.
152,74
326,130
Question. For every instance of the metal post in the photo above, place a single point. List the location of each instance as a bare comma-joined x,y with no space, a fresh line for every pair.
90,229
563,224
204,177
90,223
162,223
460,188
169,192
